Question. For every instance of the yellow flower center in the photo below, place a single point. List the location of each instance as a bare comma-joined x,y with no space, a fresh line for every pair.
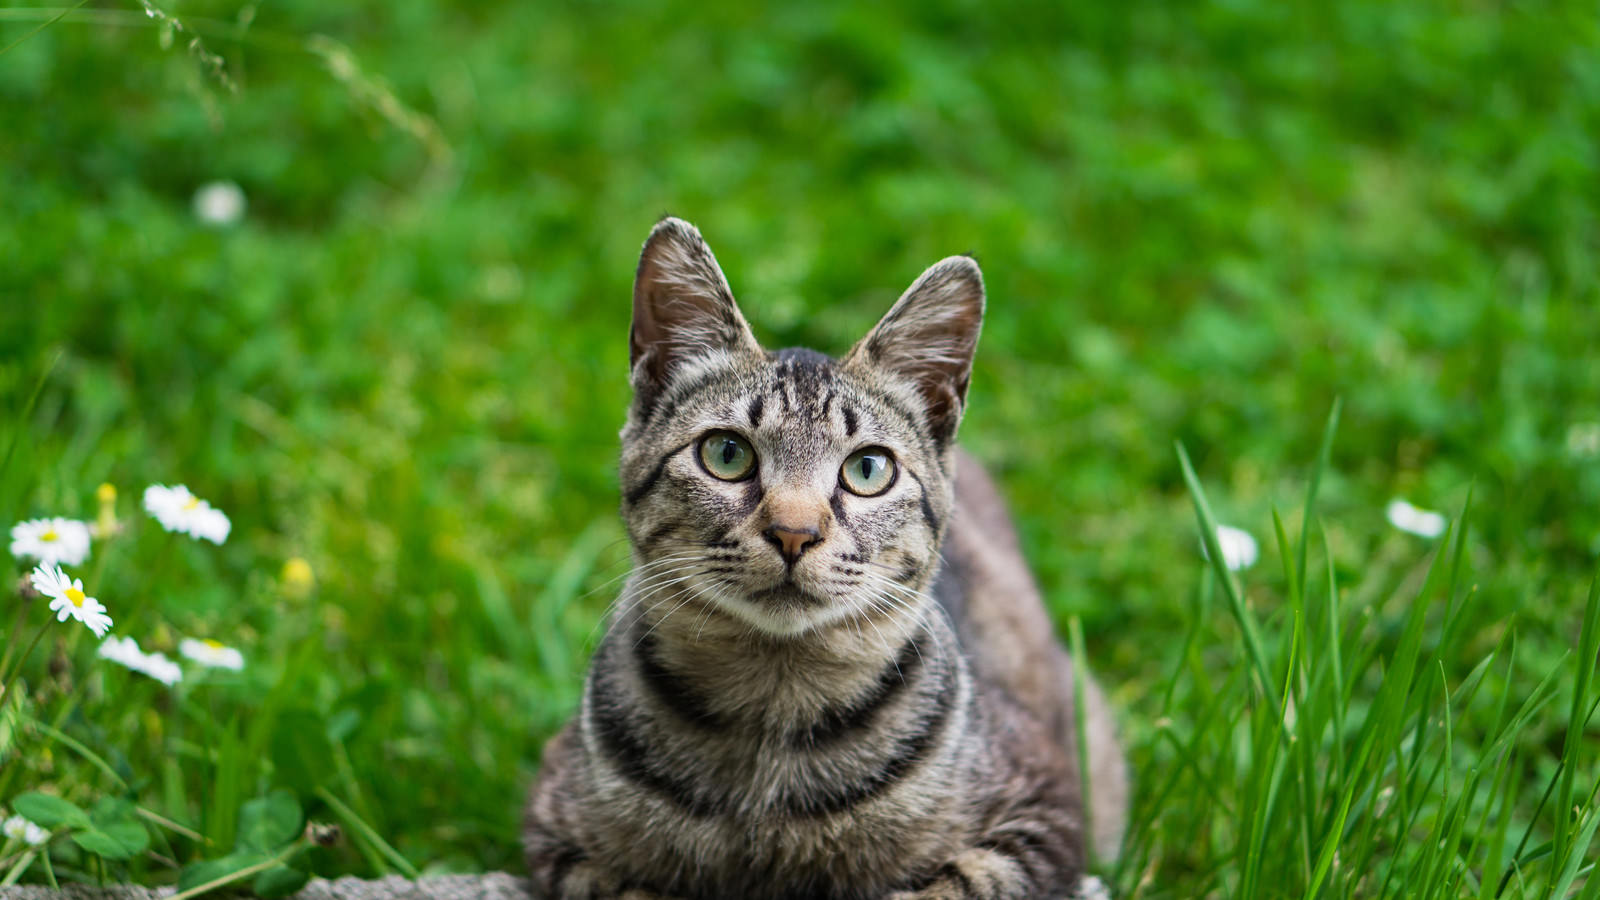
76,596
194,503
297,572
212,643
50,536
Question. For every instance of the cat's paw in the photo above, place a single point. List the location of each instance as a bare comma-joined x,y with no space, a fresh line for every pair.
586,881
973,875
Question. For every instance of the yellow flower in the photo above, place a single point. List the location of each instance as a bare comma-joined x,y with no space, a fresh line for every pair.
105,524
298,579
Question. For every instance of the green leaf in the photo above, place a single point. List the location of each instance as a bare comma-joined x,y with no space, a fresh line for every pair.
210,870
121,840
50,811
279,881
301,752
269,822
110,810
343,723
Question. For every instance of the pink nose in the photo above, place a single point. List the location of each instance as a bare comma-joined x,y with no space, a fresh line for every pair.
790,541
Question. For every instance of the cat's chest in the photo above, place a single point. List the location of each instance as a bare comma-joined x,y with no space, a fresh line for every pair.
764,856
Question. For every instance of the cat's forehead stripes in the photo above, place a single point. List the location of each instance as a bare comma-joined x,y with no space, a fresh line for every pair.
782,390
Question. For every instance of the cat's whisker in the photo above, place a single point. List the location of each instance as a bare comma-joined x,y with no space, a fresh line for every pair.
693,593
628,569
646,568
921,606
611,609
705,617
665,580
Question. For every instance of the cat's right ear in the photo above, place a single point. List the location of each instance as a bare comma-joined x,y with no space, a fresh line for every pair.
683,308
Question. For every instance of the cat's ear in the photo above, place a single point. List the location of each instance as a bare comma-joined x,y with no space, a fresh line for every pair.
928,338
683,308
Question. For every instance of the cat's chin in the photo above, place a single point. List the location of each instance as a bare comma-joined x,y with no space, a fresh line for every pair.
786,611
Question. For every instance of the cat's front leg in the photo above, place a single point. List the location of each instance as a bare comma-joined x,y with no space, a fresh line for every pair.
586,881
979,874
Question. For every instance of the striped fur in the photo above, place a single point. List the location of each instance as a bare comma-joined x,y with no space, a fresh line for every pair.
853,717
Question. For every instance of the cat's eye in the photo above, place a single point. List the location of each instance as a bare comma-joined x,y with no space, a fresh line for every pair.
727,455
868,471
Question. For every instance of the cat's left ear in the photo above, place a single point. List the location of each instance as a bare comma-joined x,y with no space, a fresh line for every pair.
928,338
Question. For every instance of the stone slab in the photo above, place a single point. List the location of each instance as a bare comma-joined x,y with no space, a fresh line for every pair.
494,886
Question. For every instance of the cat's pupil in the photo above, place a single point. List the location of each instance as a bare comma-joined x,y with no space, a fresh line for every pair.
866,468
730,450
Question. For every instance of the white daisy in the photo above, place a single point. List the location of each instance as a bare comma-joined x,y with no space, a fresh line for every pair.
51,541
219,203
68,599
163,669
1583,439
179,510
125,651
1421,522
1239,550
211,653
18,828
1092,888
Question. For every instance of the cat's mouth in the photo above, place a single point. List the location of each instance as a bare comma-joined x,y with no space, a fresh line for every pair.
787,595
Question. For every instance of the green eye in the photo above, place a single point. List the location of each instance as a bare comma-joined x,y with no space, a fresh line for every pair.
868,471
727,455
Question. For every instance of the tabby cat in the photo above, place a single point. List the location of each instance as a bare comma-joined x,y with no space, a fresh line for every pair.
829,675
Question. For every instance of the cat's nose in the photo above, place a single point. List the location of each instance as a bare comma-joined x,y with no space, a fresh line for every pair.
791,540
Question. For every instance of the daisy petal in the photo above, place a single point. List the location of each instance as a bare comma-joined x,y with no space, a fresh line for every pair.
1239,549
1421,522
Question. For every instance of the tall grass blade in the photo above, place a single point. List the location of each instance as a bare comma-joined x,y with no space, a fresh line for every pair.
1241,613
1588,648
1324,452
22,417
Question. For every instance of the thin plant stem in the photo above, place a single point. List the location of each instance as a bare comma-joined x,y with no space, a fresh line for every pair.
356,822
42,26
11,638
94,758
6,690
246,872
19,868
33,398
170,825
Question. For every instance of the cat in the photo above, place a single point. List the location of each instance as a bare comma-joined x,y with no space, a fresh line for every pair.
829,675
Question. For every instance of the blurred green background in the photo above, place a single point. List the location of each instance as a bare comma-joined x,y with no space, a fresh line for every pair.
407,361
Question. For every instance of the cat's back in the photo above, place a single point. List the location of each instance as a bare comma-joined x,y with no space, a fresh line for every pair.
994,602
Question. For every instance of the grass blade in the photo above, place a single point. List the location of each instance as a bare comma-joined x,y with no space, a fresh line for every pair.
1323,453
1588,647
1241,614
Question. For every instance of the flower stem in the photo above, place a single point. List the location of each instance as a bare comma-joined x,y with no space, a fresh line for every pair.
19,868
246,872
354,821
11,639
59,735
4,691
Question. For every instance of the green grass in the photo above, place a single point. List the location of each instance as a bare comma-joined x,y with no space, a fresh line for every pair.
1198,226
